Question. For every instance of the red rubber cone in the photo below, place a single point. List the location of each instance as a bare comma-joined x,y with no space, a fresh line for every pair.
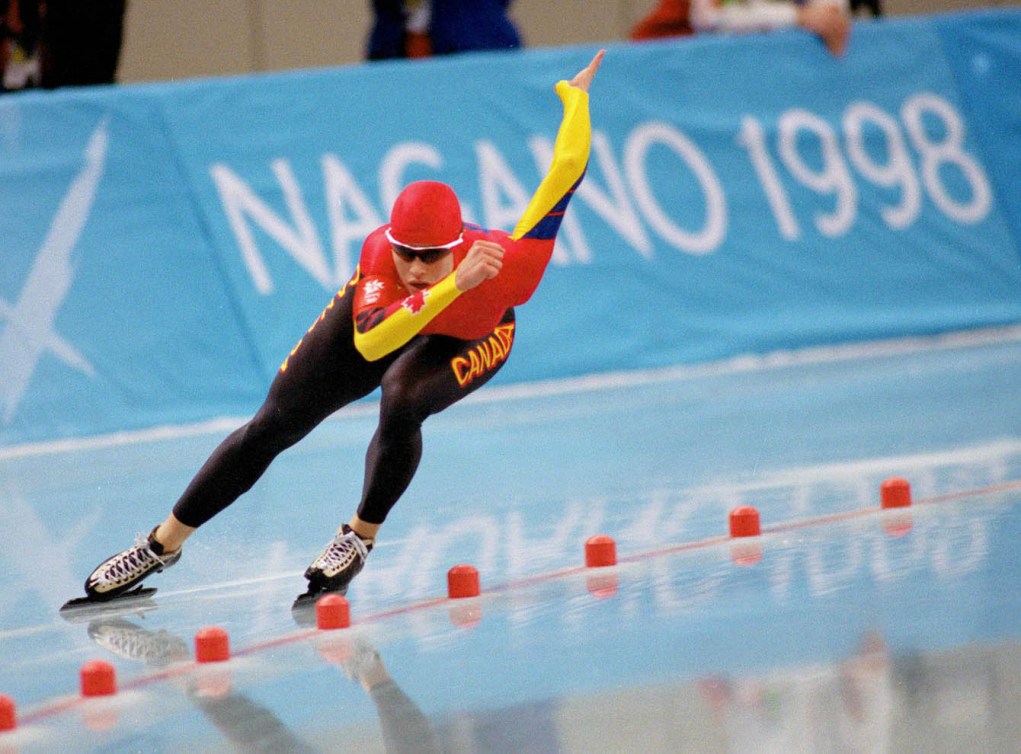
98,678
212,645
8,713
600,551
895,493
333,611
462,581
744,522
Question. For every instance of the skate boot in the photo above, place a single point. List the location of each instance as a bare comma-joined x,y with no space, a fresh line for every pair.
340,562
119,573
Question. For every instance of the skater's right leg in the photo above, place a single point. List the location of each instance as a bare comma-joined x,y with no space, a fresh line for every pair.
119,573
322,374
229,472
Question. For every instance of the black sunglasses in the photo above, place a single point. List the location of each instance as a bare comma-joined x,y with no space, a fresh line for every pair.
428,256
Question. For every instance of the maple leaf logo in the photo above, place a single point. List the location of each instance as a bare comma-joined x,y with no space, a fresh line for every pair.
416,302
373,289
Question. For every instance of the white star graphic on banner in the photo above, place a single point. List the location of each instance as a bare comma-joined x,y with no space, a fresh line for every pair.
29,331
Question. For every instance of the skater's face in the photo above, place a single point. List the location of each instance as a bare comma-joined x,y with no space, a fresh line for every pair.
420,268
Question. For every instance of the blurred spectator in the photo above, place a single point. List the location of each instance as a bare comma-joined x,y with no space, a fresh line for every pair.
421,28
54,43
81,41
19,44
670,18
828,20
873,8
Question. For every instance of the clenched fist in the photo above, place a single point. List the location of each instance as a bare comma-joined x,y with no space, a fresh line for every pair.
484,261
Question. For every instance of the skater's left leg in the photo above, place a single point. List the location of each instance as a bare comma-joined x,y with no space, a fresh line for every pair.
432,375
428,377
322,374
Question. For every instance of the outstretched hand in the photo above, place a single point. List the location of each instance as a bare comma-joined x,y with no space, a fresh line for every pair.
583,79
485,258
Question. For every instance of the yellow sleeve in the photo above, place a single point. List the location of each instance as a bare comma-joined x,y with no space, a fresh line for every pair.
405,320
570,158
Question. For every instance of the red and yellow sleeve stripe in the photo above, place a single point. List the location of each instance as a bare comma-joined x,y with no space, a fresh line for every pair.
545,211
405,319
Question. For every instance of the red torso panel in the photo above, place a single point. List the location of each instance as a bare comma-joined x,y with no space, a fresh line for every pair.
474,313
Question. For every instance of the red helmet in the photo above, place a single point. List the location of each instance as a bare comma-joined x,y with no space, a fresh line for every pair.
426,215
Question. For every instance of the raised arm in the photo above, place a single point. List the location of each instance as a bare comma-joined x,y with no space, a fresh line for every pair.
545,211
386,317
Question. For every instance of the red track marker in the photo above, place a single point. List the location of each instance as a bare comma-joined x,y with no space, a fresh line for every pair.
462,581
600,551
98,678
895,493
8,713
744,522
212,645
333,611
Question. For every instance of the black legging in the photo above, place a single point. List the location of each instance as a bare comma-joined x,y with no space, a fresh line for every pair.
324,373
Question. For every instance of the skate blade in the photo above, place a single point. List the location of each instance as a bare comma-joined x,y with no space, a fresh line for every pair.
137,600
303,608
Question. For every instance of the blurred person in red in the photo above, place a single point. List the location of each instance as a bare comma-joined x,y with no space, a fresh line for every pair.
827,19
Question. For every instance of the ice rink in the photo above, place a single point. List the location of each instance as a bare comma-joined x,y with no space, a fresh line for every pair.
842,627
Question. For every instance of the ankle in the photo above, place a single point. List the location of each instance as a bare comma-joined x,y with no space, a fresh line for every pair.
158,546
365,530
368,541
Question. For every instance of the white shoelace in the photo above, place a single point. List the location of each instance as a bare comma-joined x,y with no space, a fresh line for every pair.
341,552
138,557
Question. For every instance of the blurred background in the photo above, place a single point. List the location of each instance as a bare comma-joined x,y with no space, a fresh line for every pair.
192,38
787,276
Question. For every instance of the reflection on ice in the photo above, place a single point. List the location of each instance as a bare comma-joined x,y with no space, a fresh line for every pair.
841,628
842,636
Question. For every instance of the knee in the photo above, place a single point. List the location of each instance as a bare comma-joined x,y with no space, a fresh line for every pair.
402,403
270,431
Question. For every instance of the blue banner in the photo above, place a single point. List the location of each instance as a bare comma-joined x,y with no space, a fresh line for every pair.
165,246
